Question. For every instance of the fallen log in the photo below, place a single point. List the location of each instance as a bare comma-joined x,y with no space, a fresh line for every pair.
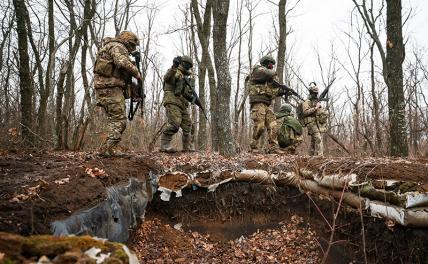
337,186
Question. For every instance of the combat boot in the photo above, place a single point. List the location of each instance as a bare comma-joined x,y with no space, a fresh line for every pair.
110,149
166,144
187,145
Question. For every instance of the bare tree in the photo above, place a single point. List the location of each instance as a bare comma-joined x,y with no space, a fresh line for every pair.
26,84
220,13
206,65
392,61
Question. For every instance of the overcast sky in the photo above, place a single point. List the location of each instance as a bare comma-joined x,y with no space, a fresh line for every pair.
315,23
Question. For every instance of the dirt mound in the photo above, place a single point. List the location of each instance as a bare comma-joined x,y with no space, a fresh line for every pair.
37,189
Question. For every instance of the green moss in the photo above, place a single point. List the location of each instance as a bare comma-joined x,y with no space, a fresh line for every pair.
19,249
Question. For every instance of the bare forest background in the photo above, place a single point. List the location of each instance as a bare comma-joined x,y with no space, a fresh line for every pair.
378,85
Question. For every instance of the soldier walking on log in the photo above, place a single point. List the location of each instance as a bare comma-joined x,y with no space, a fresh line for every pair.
177,94
261,93
113,71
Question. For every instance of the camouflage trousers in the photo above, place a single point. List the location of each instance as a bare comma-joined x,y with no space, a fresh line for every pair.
177,117
113,103
262,116
316,148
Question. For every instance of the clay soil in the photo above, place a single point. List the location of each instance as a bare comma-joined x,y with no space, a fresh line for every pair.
38,188
239,222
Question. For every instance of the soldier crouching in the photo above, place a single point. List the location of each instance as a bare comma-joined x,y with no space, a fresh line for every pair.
112,72
287,130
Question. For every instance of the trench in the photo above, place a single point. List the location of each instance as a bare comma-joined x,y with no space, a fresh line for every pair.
237,210
213,216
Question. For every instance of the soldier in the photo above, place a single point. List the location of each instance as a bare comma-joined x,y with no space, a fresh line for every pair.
261,93
287,130
315,119
176,103
112,73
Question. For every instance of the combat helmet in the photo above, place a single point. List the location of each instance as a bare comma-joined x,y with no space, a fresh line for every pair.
265,60
313,88
187,59
186,64
129,38
286,109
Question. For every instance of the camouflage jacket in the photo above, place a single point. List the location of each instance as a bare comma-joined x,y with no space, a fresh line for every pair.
174,88
113,67
314,116
260,87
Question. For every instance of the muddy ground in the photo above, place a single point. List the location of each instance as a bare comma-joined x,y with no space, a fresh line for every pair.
239,222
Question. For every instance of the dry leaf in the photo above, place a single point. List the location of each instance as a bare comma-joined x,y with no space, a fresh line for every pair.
62,181
96,172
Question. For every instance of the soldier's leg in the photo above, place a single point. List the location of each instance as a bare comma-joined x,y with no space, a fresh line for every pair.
319,151
186,127
296,139
317,144
269,122
174,118
258,117
113,102
312,145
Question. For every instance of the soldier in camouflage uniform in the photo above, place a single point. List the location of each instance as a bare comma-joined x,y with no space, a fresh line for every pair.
177,106
112,73
261,94
315,119
287,130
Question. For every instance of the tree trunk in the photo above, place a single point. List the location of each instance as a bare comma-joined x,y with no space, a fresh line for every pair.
395,53
58,106
25,79
281,47
204,32
376,115
220,13
42,120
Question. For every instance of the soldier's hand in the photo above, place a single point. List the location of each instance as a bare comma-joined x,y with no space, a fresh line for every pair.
318,105
138,77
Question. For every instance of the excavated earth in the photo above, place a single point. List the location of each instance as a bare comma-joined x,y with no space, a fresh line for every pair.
237,223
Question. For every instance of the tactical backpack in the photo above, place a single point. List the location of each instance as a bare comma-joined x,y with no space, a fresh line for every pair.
284,138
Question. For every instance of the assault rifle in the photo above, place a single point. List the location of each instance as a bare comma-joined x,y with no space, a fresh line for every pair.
286,91
195,98
139,90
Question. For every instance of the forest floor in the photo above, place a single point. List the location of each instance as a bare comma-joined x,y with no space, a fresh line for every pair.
239,222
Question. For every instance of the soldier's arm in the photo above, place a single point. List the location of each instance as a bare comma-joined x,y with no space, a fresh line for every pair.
308,111
121,60
263,74
170,75
270,75
179,83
